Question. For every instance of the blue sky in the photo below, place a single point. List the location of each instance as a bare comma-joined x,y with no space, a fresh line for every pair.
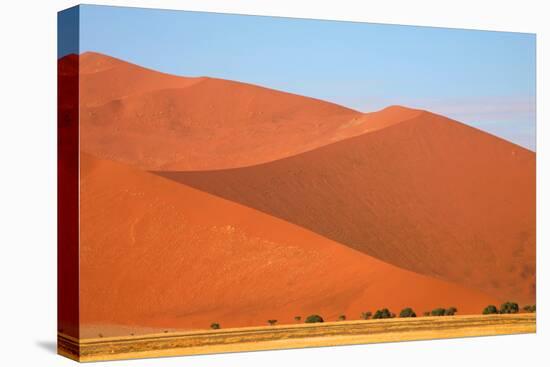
485,79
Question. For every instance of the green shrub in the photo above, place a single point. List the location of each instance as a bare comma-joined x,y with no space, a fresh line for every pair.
342,318
509,307
297,318
313,318
407,312
214,325
450,311
382,314
366,315
271,322
491,309
530,308
438,312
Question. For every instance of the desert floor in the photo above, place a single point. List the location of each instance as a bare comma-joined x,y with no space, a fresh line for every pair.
294,336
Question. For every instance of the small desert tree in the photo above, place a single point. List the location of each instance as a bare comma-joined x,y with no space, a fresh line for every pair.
313,318
214,325
407,312
491,309
366,315
450,311
530,308
438,312
382,314
509,307
342,318
271,322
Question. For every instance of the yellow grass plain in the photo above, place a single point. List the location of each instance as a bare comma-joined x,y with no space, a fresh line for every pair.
292,336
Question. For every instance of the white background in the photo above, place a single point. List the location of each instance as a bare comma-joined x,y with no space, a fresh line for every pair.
28,183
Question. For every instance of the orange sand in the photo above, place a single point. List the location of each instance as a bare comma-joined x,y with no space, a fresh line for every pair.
428,194
156,253
299,205
157,121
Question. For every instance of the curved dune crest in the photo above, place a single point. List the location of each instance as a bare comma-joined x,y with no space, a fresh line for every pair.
157,121
428,194
286,205
104,79
159,254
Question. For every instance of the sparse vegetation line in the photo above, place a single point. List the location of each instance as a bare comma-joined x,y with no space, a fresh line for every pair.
326,333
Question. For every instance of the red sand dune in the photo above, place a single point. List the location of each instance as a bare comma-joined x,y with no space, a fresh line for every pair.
157,121
156,253
104,79
429,194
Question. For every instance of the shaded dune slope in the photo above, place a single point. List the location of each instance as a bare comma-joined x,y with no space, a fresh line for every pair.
157,121
429,194
159,254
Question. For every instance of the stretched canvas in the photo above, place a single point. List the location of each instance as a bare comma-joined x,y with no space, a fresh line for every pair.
235,183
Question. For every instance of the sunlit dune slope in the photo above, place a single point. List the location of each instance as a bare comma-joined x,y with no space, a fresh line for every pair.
158,254
105,79
157,121
429,194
